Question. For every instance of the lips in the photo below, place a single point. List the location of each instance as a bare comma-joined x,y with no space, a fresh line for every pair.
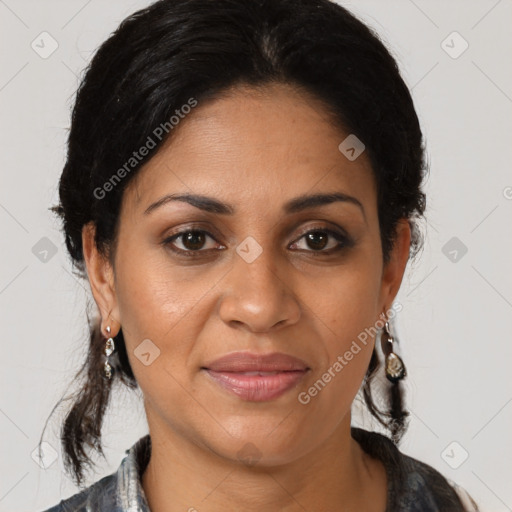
257,377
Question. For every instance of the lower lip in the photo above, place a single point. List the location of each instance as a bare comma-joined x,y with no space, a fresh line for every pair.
257,388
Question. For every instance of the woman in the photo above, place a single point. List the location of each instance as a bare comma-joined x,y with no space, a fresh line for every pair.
241,190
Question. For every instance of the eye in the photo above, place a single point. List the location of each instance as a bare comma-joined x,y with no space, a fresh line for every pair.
194,241
191,240
318,241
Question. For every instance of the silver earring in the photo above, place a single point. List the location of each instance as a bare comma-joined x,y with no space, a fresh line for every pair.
394,366
109,349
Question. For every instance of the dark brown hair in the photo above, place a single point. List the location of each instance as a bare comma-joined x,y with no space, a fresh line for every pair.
173,50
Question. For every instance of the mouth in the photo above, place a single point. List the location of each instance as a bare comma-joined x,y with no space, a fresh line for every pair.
256,377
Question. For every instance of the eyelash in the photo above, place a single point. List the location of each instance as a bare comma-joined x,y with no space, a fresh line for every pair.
343,242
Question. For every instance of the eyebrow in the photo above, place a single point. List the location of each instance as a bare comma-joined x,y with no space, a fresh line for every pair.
298,204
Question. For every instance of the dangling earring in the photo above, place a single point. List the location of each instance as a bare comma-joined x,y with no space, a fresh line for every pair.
109,349
394,366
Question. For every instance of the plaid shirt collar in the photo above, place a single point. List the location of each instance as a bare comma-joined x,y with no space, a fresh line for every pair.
412,485
130,495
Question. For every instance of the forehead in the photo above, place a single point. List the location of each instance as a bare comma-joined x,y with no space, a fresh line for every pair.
252,146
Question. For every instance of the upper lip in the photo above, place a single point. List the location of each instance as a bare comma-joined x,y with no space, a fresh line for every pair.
250,362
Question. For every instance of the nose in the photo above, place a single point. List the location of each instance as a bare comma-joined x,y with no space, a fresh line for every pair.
258,296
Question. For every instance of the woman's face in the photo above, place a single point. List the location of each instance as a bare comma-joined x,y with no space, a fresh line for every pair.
247,278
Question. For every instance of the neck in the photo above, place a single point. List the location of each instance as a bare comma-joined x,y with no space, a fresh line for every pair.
338,475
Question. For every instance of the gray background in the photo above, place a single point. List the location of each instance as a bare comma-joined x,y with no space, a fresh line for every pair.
454,329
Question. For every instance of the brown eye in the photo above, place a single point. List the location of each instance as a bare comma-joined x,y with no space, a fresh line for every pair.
317,240
322,241
192,241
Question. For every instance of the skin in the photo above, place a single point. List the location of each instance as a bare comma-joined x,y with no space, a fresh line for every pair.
253,149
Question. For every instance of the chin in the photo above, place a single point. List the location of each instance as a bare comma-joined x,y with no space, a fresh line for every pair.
262,443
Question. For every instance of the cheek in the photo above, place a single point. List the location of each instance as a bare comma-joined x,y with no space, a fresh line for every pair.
346,319
153,294
346,310
349,330
347,301
158,302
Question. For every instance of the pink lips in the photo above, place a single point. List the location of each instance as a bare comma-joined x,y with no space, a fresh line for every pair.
257,377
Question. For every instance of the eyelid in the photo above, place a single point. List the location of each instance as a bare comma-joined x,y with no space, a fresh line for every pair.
323,227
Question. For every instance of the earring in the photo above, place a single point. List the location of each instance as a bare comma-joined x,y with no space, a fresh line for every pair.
109,349
394,366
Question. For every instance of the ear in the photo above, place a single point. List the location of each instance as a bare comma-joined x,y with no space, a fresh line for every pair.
394,270
101,279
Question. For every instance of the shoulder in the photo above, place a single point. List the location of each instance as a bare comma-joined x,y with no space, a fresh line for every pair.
431,490
118,492
99,496
413,486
